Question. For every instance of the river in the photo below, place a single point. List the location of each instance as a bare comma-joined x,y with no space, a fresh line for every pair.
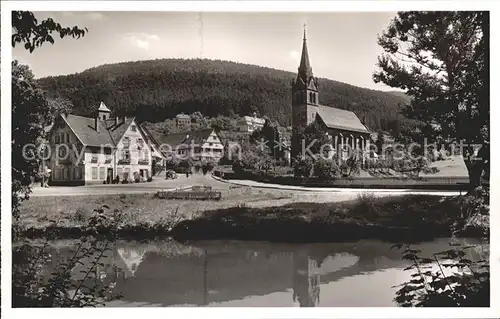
237,273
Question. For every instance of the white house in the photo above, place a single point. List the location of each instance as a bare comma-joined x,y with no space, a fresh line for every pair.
250,124
87,150
202,145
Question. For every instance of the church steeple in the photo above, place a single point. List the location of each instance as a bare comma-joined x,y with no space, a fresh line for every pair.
304,91
305,70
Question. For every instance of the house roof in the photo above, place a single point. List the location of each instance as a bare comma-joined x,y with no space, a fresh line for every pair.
117,131
84,129
109,133
341,119
251,119
103,108
183,116
173,140
198,137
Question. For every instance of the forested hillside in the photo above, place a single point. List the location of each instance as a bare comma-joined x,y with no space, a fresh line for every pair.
158,89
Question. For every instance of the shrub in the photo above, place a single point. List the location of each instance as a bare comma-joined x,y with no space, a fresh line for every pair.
365,204
303,167
79,216
325,169
150,179
208,167
435,288
197,167
31,287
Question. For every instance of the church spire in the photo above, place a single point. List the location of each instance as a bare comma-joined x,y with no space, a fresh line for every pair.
305,70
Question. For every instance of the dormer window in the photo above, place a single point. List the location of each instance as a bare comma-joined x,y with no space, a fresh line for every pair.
133,128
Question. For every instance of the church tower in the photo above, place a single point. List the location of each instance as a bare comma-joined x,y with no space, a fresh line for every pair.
304,91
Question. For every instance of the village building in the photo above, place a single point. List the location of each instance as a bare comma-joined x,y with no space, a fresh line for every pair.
343,127
250,123
202,145
183,121
87,150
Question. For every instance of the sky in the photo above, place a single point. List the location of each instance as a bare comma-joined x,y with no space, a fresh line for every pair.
342,46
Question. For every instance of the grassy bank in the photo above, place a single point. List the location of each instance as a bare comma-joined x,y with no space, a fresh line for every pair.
410,217
245,214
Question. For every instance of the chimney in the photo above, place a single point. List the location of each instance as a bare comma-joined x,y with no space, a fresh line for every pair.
125,119
97,123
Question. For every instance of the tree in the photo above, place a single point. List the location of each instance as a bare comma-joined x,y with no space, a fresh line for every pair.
30,113
30,110
303,167
379,143
312,137
441,59
27,30
326,169
59,106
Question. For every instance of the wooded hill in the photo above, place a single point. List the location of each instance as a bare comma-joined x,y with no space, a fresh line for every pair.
154,90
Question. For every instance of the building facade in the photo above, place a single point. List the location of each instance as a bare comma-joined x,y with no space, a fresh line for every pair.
344,128
250,123
183,121
94,150
202,145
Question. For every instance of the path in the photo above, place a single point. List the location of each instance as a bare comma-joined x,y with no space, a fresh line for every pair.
305,190
220,184
112,189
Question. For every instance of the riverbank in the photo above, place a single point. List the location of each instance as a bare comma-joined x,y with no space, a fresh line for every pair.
249,215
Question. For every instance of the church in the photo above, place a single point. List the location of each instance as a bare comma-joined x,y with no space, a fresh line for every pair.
344,128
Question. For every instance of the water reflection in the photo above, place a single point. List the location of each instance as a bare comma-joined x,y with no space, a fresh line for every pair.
222,273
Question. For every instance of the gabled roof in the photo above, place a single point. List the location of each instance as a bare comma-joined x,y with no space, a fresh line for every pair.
84,129
183,116
198,137
103,108
117,131
172,140
341,119
109,133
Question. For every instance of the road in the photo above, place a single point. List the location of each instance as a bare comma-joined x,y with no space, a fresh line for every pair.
184,182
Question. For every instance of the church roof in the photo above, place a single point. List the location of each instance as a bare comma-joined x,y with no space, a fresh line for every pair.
305,69
341,119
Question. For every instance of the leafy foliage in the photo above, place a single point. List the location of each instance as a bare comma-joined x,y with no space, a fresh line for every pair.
467,286
32,288
27,30
155,90
303,167
441,60
30,112
326,169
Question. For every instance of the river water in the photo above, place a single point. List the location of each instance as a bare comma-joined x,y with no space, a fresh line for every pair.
236,273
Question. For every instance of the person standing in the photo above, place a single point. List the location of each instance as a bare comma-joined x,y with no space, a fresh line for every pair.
46,178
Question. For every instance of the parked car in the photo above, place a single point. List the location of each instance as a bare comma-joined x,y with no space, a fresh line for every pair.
170,174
